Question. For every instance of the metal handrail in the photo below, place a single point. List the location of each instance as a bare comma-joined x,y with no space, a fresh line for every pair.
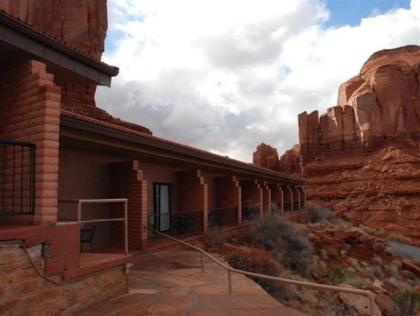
124,219
370,295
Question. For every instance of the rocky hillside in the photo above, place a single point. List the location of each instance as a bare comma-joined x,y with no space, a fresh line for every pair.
362,157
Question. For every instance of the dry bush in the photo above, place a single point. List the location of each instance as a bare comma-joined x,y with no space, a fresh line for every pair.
279,237
407,301
315,213
259,261
336,275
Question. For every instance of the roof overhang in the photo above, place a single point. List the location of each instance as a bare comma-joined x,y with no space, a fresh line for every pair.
42,47
158,147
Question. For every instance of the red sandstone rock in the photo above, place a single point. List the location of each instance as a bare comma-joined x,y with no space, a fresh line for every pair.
290,161
383,101
82,25
266,157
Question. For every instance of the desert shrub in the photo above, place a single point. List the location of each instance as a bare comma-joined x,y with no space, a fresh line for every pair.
355,281
258,261
315,213
281,239
336,275
408,302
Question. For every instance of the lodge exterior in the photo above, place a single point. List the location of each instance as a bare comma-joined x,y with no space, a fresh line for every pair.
63,168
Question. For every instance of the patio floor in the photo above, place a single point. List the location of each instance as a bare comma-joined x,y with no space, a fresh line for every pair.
171,283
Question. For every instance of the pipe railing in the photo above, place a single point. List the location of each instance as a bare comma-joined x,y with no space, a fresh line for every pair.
368,294
124,219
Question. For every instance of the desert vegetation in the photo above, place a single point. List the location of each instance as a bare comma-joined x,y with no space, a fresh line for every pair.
321,247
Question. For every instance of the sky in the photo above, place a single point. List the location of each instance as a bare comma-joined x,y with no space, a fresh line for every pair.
225,76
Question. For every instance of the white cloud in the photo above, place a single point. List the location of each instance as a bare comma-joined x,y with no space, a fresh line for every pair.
226,75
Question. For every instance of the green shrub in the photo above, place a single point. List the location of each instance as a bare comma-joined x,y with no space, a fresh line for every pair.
315,213
336,275
280,238
408,302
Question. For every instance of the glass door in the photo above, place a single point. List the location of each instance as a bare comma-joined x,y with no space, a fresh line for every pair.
162,206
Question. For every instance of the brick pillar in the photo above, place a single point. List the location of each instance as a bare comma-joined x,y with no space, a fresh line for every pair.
30,107
298,194
291,198
228,194
282,200
304,196
266,198
193,194
127,182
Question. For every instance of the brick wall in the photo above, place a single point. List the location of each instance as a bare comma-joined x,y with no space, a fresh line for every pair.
30,107
228,194
193,194
23,292
127,182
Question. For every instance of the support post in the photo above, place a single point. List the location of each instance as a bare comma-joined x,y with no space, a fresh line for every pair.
230,282
126,227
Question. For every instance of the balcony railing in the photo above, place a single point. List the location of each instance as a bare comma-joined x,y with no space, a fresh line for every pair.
222,217
250,212
17,178
178,223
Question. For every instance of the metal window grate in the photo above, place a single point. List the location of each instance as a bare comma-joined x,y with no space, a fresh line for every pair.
17,178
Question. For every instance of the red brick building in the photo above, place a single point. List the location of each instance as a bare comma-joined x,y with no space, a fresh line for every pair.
59,156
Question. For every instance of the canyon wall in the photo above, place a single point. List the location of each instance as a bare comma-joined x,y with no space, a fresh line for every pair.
380,103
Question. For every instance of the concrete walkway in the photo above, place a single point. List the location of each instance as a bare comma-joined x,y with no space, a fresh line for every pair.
171,283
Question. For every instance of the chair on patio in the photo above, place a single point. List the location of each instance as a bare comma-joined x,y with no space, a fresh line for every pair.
87,233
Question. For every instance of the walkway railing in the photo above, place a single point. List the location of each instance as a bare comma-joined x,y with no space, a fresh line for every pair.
178,223
250,212
368,294
124,219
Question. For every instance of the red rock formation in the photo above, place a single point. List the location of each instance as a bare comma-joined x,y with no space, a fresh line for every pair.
266,157
81,24
362,157
382,102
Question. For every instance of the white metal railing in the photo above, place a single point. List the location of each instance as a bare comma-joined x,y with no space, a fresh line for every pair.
370,295
81,202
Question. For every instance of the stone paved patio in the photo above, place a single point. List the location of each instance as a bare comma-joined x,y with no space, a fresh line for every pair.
171,283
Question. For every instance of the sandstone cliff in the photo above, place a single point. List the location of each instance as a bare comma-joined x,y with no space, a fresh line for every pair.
81,25
380,103
362,157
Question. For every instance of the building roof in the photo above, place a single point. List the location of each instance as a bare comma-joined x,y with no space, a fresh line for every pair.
110,129
43,46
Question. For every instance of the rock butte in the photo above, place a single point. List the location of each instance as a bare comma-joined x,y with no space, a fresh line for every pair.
82,25
362,157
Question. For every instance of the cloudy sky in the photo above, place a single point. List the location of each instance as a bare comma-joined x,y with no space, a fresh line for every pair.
226,75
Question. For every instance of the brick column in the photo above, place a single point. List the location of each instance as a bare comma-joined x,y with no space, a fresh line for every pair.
282,200
127,182
228,194
193,194
30,107
291,198
266,197
298,194
304,196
